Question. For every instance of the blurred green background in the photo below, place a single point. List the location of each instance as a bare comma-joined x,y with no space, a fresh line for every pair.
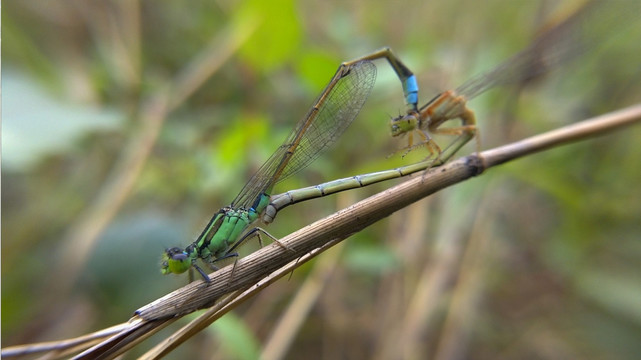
127,124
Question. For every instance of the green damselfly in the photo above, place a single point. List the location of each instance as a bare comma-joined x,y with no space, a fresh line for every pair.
332,112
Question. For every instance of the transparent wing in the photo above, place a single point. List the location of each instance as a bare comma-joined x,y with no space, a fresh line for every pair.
332,112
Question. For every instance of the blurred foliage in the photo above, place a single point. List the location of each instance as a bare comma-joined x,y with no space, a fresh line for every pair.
535,259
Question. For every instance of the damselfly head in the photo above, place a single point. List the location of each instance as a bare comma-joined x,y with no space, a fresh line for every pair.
404,123
175,261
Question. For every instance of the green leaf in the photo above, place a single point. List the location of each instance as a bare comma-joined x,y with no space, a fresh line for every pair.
277,37
317,67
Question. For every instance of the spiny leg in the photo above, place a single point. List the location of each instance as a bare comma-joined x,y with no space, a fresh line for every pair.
255,232
449,106
427,142
410,146
443,108
464,133
210,264
202,273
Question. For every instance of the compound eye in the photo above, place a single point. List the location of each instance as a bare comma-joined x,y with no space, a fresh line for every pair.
175,253
404,124
179,256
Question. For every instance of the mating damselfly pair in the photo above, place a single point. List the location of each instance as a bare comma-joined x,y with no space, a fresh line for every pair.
334,110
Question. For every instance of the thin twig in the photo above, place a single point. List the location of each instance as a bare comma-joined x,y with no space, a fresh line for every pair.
64,348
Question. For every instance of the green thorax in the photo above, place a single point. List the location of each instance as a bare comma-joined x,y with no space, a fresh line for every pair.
226,227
